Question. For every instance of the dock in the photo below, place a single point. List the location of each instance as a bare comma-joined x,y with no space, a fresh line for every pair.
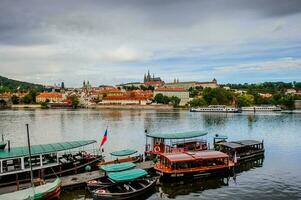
76,180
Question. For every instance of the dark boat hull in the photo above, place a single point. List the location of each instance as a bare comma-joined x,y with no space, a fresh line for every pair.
129,195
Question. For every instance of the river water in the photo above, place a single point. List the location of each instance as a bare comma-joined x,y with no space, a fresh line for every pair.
277,176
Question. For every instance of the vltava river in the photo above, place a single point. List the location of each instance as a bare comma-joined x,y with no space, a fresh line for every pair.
277,176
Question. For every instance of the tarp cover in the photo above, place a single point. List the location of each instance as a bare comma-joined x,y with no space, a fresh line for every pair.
181,135
33,193
118,167
43,148
125,152
128,175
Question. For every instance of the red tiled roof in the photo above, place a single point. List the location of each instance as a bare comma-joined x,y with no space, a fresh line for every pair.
153,82
163,89
50,95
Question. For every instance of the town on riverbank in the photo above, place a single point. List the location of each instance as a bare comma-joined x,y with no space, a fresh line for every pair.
152,93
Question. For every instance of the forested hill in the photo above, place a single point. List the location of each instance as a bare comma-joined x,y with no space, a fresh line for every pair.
10,85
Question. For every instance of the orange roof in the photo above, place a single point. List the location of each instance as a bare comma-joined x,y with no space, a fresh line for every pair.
170,89
192,156
154,83
50,95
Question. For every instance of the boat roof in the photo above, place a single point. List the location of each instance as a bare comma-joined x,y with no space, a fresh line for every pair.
192,156
125,152
127,175
180,135
240,143
43,148
29,193
118,167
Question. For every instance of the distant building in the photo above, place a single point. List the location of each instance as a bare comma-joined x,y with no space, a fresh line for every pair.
154,83
297,104
265,95
177,92
51,96
191,84
149,78
135,97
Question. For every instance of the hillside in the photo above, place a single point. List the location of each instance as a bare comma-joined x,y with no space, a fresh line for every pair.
10,85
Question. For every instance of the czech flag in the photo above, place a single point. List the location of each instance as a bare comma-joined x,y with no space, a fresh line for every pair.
104,139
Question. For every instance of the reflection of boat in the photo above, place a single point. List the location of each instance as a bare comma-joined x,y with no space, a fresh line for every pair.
45,159
187,186
128,185
104,180
125,155
42,191
174,142
193,164
216,108
239,150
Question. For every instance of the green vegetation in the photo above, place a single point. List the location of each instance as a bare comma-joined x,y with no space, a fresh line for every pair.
141,87
74,101
30,98
160,98
9,85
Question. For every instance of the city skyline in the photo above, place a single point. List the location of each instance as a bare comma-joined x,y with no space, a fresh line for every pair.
113,42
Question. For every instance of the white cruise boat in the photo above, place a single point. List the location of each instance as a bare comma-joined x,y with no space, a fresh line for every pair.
216,108
261,108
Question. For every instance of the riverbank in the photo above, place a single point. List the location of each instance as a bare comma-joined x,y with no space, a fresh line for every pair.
17,106
132,107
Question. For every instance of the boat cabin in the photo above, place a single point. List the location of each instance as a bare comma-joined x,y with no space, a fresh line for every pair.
241,149
14,162
175,142
125,155
192,163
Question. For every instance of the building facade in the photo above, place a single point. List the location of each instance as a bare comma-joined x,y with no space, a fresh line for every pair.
53,97
177,92
191,84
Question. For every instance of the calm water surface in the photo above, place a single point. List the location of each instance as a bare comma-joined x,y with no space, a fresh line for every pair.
278,176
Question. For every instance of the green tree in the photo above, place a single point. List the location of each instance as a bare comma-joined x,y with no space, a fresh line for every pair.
196,102
175,100
15,99
166,99
245,100
159,98
288,102
74,101
214,101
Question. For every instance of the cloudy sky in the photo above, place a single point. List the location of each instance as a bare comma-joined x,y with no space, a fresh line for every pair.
110,42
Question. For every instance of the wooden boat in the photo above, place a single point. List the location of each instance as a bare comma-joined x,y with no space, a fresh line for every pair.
174,142
43,191
129,185
47,191
241,149
125,155
192,164
105,180
46,160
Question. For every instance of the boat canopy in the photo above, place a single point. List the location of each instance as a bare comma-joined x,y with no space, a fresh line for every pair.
128,175
118,167
221,137
33,193
43,148
181,135
240,143
125,152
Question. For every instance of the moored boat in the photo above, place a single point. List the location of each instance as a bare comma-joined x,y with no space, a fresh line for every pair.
105,180
192,164
261,108
47,160
216,108
129,185
125,155
241,149
174,142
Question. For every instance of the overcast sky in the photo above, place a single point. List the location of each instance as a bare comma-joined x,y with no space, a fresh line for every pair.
111,42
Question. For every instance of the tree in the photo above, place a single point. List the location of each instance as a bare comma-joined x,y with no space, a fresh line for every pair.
175,100
214,101
288,101
15,99
245,100
74,101
166,99
196,102
159,98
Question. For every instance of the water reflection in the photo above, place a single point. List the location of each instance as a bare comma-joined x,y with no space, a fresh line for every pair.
219,119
